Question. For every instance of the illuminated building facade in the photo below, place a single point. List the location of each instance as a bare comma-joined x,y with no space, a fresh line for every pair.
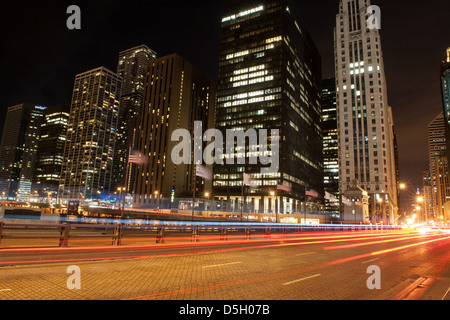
270,78
330,146
91,134
132,67
176,96
19,149
365,122
429,204
445,89
437,144
50,154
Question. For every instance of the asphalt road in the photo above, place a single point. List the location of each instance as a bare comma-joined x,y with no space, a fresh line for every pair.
321,266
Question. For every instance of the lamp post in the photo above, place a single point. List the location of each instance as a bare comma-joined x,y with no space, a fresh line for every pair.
156,199
380,201
207,199
420,207
273,194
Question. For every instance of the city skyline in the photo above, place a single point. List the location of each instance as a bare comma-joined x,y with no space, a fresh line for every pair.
413,109
228,150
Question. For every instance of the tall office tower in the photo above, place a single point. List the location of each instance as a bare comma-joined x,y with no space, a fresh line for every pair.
445,89
18,150
364,119
50,153
428,203
330,146
131,67
91,133
270,79
176,96
437,151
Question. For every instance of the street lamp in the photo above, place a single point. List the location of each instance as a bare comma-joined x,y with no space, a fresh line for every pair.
380,201
274,205
207,197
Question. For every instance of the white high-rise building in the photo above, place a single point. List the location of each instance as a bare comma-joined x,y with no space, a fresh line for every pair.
365,122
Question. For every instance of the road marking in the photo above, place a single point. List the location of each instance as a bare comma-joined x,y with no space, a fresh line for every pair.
223,264
304,254
302,279
443,298
4,290
370,260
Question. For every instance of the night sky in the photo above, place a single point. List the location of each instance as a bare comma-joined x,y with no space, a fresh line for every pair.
40,56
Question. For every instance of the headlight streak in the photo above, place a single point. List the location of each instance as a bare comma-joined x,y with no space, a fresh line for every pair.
330,239
372,242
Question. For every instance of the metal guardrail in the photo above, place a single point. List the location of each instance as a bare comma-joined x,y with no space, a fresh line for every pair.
161,230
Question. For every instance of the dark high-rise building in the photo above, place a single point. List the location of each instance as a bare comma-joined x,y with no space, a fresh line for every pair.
176,96
445,89
19,149
445,86
270,78
50,154
131,67
91,135
330,146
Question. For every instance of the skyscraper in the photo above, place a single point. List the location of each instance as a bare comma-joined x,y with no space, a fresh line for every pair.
270,79
366,142
437,146
50,153
445,86
92,131
176,96
330,146
445,89
132,68
428,203
18,150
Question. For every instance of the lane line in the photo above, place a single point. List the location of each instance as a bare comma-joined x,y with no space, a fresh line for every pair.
370,260
304,254
443,298
223,264
302,279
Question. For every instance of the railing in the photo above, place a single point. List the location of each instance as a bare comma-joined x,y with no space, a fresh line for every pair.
66,234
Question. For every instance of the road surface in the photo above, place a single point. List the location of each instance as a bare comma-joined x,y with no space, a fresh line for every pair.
321,266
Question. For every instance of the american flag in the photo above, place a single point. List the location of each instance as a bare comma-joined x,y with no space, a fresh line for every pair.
284,187
248,181
312,193
330,196
136,157
346,201
203,172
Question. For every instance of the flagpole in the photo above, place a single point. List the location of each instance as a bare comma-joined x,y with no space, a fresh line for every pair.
126,183
193,194
242,195
276,205
305,206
